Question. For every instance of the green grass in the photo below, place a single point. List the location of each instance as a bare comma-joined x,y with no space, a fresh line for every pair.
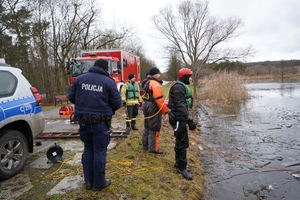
166,88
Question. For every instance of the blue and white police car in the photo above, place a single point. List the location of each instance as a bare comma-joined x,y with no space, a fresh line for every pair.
21,119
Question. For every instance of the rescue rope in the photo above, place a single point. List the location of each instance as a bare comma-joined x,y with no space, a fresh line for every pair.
124,167
283,169
59,173
167,96
124,116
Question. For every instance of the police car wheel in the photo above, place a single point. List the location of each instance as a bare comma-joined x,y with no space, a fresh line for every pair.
13,153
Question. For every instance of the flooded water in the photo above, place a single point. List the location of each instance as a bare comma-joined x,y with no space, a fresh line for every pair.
264,131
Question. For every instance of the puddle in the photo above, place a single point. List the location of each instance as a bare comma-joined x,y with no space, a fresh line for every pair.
264,131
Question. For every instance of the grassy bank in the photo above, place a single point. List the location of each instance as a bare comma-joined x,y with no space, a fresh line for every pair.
135,174
140,175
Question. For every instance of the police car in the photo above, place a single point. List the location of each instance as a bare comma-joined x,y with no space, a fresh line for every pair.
21,119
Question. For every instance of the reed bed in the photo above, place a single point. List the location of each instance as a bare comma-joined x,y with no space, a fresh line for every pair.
222,89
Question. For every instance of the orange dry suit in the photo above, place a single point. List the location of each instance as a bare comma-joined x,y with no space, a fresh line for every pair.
153,108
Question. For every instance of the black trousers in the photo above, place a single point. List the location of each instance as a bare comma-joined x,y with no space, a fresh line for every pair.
132,111
181,144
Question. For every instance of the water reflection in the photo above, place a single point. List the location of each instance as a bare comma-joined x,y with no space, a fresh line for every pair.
263,130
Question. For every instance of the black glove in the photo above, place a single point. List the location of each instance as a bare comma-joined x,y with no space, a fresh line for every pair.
192,125
124,103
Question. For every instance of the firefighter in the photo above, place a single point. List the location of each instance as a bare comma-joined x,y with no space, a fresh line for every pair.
130,97
153,108
180,100
96,98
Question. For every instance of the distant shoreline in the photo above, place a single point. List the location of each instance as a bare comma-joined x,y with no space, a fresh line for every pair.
263,77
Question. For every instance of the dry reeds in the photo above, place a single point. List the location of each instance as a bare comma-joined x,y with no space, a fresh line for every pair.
223,89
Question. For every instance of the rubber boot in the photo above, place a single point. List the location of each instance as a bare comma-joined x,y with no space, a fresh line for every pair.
183,163
133,122
176,166
127,129
145,140
185,174
152,145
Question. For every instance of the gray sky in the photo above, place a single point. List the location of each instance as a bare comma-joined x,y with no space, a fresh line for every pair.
271,27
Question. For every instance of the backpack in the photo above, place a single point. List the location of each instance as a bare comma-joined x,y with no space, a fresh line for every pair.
144,88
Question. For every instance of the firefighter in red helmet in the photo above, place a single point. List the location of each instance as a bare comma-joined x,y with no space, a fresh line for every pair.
180,100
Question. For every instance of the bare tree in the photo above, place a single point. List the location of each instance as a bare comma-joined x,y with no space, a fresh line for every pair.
62,29
174,66
47,33
197,36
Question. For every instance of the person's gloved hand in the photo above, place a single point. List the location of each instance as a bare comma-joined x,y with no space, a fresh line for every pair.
192,125
124,103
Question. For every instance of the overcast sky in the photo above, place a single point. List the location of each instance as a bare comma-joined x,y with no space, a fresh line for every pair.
271,27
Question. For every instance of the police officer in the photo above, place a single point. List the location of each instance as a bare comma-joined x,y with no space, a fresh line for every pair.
130,97
180,100
96,99
153,108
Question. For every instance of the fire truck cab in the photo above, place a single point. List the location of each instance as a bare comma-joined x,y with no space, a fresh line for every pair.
120,64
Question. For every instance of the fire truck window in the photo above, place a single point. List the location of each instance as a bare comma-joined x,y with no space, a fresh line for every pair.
85,67
124,62
115,69
82,66
76,69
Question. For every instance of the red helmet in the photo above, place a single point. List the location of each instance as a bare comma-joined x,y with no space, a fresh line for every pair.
184,71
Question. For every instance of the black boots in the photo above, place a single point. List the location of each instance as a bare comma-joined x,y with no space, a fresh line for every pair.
133,122
127,129
133,127
88,185
185,174
106,183
157,152
176,166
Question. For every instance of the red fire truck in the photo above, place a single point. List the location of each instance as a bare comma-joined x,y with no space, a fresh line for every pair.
120,64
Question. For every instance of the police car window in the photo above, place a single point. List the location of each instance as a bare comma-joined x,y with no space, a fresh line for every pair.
8,84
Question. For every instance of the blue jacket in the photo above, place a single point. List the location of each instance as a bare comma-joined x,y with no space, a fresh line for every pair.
95,93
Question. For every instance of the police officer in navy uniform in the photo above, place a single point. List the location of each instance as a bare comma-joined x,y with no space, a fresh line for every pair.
96,99
180,101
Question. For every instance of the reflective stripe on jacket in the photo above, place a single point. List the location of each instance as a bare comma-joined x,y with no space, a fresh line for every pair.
130,93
